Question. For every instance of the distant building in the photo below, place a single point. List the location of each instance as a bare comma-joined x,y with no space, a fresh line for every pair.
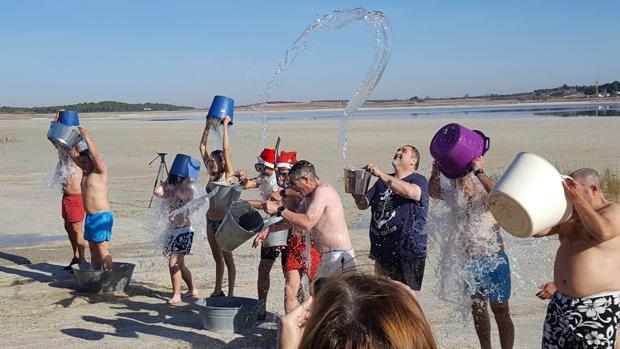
147,109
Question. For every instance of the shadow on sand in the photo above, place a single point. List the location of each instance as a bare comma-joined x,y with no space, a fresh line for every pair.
134,318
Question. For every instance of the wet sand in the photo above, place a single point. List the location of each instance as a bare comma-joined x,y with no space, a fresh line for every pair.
38,304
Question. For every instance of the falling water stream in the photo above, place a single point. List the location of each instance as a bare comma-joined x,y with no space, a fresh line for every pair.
334,21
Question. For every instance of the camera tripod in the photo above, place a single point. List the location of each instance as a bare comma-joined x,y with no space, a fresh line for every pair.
161,175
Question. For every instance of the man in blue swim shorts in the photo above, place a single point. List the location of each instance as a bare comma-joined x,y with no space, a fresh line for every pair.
99,218
486,271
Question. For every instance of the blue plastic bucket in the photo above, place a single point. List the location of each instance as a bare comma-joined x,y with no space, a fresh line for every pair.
184,166
69,118
220,107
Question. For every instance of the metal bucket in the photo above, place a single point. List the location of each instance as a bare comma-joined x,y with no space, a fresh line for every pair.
241,223
356,181
63,136
225,195
228,314
529,197
276,238
98,281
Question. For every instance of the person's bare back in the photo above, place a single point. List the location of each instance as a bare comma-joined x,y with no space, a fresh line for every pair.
585,266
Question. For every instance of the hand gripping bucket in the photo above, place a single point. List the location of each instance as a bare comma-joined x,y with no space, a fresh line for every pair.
225,194
529,197
220,107
356,181
242,222
454,147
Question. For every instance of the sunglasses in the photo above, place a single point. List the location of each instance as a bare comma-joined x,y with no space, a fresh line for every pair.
260,167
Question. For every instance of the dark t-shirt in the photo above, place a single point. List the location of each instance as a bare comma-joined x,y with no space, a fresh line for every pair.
397,223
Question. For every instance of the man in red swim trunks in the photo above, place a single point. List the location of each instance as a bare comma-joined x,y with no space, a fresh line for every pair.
73,213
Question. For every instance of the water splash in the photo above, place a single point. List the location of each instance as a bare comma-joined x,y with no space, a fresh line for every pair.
63,170
460,232
334,21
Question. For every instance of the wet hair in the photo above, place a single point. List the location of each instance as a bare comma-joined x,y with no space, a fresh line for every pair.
220,155
416,155
589,175
365,311
302,168
174,179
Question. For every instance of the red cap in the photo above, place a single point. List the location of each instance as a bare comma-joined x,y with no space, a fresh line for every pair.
267,157
287,159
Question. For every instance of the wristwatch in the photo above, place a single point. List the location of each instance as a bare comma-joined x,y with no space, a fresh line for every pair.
280,210
478,171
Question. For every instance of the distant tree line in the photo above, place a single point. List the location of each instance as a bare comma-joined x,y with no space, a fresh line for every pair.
91,107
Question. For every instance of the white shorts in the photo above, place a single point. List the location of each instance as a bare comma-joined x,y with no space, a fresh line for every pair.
336,261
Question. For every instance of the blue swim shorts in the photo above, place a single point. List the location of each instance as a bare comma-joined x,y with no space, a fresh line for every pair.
98,226
491,275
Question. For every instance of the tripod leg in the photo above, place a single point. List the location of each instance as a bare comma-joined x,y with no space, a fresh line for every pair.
157,180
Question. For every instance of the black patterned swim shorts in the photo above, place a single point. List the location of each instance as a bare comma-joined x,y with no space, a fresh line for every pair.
179,240
589,322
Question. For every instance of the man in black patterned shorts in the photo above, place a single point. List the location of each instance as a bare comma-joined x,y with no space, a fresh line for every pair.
584,312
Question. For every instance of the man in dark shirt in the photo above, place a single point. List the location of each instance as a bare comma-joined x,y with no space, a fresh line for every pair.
399,204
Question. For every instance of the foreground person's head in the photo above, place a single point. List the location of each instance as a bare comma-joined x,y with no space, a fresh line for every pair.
365,311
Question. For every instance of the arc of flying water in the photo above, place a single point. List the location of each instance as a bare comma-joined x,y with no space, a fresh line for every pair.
334,21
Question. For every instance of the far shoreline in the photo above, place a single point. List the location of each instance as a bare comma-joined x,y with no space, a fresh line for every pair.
329,107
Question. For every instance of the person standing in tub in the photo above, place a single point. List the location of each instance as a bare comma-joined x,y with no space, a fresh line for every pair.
584,311
487,270
73,213
99,219
178,191
399,204
220,167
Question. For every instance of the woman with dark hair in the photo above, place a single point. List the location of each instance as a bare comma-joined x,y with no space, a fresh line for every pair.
359,311
219,164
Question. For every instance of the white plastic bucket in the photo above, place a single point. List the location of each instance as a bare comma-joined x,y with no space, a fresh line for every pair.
529,196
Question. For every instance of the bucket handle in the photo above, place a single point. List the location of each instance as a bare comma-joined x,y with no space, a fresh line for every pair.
487,141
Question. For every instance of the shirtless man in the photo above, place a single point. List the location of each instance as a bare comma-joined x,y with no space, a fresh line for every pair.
487,263
73,213
99,219
323,215
585,310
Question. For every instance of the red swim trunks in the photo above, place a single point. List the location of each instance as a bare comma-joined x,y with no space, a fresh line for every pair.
73,208
297,256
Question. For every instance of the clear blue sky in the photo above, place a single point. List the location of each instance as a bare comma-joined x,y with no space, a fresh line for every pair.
184,52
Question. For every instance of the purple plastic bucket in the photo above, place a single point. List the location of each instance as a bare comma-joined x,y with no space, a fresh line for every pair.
454,146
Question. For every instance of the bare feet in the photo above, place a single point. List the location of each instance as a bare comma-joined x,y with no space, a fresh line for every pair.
176,299
190,294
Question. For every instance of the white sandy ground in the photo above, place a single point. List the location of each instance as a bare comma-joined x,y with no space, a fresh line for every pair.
38,304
